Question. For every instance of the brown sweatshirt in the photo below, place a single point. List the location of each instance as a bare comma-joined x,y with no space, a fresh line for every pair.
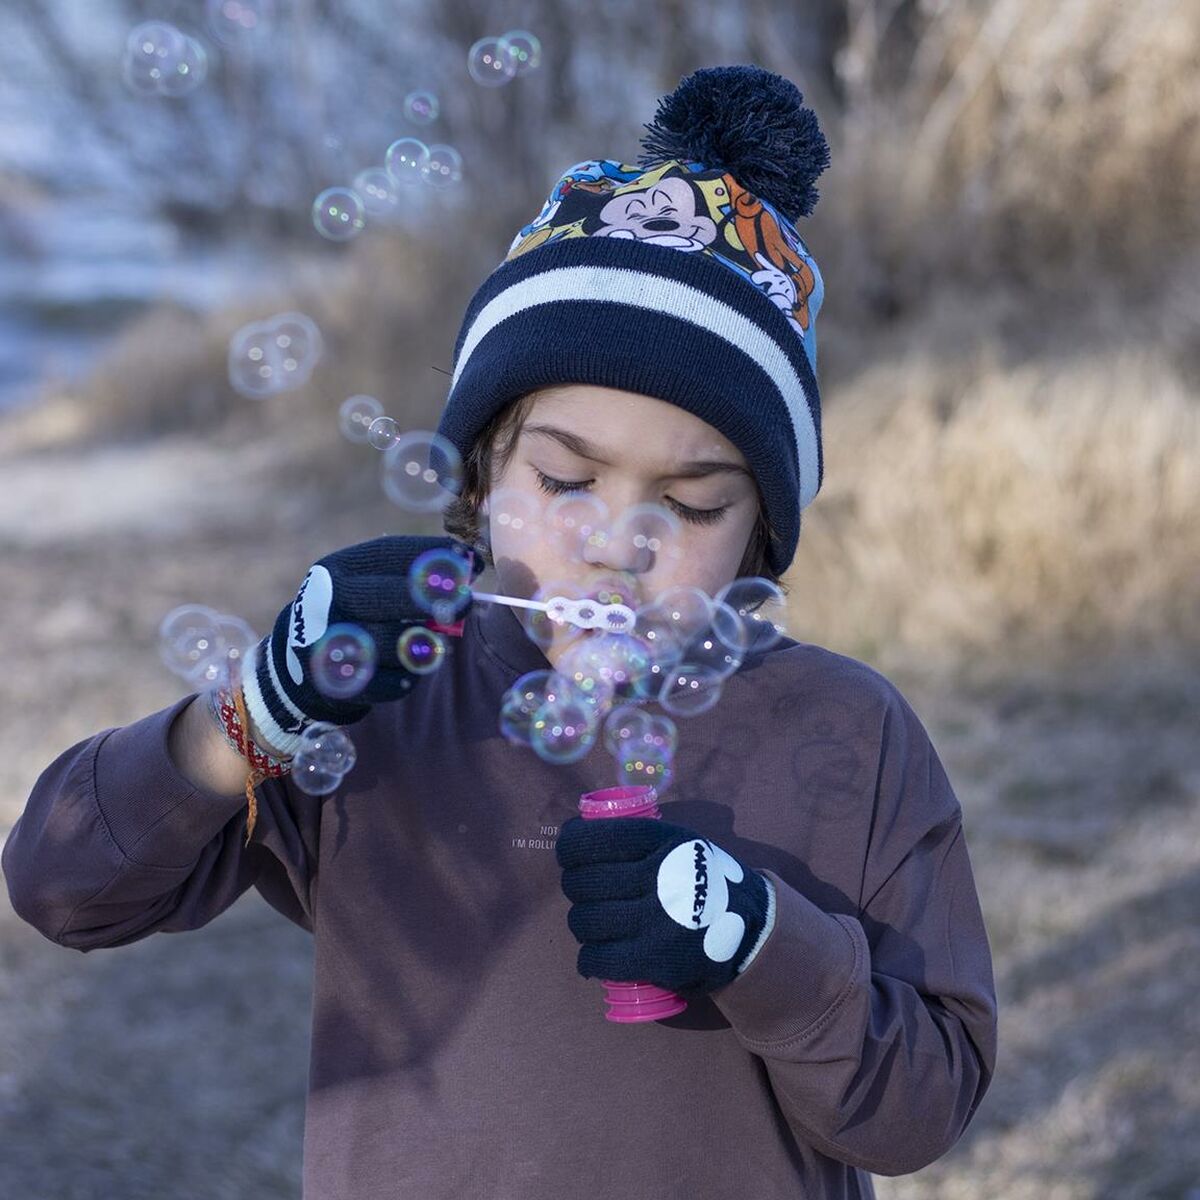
455,1049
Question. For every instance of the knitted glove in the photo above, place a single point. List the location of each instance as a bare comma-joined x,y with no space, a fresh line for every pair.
657,903
365,585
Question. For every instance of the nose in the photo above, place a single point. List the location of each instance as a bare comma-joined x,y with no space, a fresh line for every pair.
619,556
660,224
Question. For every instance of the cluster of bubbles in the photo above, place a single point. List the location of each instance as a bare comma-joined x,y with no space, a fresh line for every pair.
161,60
323,759
377,193
494,61
678,652
277,354
421,471
204,646
681,649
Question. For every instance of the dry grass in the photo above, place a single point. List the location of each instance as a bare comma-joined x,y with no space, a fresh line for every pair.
1045,514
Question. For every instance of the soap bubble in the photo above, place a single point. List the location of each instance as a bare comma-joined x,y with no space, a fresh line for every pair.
153,52
588,672
644,762
439,583
443,166
406,161
233,21
275,355
630,723
689,690
422,471
539,626
190,70
674,618
323,759
563,729
573,522
516,511
420,650
188,638
762,607
375,188
356,415
421,107
607,665
491,62
234,651
646,535
338,214
343,661
722,646
525,698
523,49
383,432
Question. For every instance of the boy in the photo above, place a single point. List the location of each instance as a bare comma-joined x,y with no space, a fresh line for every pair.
844,1020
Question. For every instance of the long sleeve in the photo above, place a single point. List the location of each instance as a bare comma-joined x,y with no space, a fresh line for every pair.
878,1030
115,844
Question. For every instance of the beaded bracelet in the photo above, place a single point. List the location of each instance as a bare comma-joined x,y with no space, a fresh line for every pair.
229,709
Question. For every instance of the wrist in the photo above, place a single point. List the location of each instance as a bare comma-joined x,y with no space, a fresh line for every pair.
227,706
768,923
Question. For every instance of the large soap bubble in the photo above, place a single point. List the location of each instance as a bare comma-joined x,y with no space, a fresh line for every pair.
343,661
422,471
375,187
323,759
575,521
525,698
443,168
275,355
564,729
421,107
356,415
523,49
439,582
406,161
339,214
690,689
762,608
492,62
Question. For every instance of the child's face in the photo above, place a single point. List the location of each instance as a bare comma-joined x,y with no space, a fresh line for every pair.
645,444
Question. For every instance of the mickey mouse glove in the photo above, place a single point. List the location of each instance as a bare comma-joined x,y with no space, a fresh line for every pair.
366,585
657,903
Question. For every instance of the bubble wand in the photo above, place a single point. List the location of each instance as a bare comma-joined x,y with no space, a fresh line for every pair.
586,614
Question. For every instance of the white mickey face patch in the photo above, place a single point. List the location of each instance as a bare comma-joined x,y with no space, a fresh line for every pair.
310,616
693,888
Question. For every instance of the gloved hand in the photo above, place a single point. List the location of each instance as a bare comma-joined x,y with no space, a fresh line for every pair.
657,903
365,585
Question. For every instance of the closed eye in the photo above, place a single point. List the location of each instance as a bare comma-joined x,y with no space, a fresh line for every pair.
697,516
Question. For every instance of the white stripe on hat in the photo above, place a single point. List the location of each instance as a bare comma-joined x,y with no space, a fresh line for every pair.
660,294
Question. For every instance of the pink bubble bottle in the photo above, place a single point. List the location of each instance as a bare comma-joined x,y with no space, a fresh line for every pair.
629,1003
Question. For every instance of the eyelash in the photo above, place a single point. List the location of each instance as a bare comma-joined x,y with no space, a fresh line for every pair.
697,516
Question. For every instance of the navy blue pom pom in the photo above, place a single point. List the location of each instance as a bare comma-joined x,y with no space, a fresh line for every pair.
749,122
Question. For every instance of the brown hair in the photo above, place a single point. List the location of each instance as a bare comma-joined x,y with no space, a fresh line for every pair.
489,458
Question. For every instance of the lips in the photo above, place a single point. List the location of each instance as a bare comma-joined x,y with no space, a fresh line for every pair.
613,593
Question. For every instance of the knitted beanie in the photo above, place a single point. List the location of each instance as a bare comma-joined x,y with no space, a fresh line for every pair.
682,278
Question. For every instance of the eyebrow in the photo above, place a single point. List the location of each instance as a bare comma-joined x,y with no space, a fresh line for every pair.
688,470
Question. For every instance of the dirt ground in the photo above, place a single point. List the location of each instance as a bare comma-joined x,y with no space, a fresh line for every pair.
176,1067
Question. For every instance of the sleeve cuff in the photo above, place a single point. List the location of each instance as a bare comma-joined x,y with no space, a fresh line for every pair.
804,969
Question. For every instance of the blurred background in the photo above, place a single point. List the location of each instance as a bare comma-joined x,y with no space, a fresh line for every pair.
1010,352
